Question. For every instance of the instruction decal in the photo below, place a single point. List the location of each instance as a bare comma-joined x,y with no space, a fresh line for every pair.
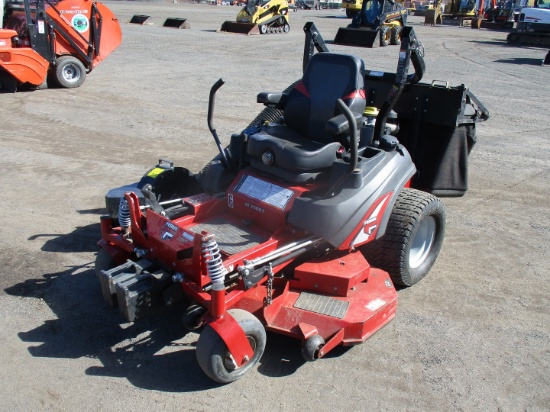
263,191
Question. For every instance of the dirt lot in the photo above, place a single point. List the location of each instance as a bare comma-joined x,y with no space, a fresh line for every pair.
474,335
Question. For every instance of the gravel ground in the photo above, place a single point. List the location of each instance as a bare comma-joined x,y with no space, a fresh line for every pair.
474,335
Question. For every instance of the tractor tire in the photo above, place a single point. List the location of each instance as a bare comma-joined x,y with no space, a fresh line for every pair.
69,72
395,35
213,356
413,238
384,36
103,261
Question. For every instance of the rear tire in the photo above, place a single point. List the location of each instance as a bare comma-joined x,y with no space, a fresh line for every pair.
413,238
69,72
214,357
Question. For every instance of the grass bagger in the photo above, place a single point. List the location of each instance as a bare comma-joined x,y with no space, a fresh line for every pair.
260,17
304,223
54,41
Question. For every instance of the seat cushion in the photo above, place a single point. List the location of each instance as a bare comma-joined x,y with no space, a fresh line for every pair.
280,147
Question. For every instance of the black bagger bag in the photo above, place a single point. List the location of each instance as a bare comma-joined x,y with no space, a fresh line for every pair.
437,126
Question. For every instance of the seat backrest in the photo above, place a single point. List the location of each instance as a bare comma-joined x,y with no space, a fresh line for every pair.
328,77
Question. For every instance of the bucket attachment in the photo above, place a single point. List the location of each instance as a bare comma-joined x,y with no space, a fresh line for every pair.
360,37
244,28
176,23
139,19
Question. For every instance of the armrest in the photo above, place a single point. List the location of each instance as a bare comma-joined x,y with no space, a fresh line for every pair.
339,124
269,98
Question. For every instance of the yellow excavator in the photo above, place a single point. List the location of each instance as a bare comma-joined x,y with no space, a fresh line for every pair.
260,17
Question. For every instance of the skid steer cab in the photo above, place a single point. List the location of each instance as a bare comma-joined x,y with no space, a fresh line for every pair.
301,226
379,23
57,42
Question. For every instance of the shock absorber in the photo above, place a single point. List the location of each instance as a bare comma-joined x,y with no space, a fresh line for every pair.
213,259
124,217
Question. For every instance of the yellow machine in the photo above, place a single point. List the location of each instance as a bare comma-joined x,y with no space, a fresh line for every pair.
460,8
378,23
353,7
260,17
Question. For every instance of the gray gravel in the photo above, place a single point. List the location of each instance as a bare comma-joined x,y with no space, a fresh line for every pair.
474,335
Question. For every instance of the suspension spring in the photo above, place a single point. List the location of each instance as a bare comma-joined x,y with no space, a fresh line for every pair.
124,214
213,259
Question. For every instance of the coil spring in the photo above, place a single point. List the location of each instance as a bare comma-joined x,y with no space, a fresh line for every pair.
213,259
124,213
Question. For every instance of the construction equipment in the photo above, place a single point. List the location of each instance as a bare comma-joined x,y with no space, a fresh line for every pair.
421,10
378,24
296,226
260,17
433,16
352,7
460,9
61,41
533,26
498,14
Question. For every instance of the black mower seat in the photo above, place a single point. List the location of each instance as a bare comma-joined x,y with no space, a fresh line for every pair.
302,150
291,151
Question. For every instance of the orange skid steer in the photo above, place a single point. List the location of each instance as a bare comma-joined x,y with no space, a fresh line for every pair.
54,41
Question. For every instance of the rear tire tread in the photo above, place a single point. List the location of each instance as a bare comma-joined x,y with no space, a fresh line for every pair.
390,251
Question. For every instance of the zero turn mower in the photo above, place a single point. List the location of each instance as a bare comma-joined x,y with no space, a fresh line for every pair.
306,221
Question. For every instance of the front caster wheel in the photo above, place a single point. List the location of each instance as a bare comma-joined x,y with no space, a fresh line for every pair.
215,359
311,348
